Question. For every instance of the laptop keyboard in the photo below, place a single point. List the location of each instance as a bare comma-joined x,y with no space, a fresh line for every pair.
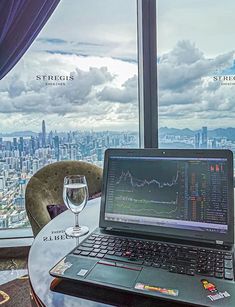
171,257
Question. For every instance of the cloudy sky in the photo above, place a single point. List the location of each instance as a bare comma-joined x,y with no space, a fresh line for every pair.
95,42
194,44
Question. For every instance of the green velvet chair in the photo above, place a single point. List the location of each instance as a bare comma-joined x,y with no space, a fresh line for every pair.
46,188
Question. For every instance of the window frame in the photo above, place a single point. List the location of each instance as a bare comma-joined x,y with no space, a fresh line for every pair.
147,73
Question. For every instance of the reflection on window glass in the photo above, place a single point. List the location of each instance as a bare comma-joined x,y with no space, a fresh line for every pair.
71,96
196,74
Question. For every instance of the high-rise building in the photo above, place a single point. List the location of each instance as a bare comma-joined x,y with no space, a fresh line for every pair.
35,165
204,137
213,144
14,143
50,138
32,145
197,140
57,147
2,183
21,145
43,134
21,148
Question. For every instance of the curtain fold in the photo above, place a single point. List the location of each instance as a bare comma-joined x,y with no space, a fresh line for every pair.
20,23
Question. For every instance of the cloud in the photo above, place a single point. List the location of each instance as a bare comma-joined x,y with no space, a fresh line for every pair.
24,101
78,91
185,66
183,53
108,29
52,40
36,96
188,94
126,94
104,91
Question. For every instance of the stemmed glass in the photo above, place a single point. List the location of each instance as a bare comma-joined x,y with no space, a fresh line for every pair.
75,195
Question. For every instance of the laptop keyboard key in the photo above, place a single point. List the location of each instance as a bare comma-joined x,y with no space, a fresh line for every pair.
228,274
165,266
219,275
77,252
110,252
103,251
87,245
104,240
228,257
190,272
147,263
90,241
156,265
84,253
85,249
96,246
219,270
173,269
93,254
118,253
96,250
228,264
181,270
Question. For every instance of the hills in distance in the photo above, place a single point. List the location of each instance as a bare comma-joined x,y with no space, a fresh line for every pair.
218,133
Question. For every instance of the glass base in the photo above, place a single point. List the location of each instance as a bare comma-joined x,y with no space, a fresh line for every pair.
77,231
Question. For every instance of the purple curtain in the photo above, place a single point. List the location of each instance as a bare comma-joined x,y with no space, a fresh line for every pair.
20,23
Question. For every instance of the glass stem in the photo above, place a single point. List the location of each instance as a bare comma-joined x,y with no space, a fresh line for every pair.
76,220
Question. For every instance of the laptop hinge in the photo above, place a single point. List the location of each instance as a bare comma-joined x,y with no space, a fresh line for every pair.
218,242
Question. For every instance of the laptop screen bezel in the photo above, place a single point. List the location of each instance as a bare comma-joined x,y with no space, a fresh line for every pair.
159,231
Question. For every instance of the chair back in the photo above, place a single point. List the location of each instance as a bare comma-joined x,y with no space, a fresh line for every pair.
46,188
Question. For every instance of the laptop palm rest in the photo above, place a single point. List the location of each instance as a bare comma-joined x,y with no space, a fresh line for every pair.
114,273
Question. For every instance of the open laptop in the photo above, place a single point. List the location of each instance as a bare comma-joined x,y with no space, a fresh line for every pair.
166,227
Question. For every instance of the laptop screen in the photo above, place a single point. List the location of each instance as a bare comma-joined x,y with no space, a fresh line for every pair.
187,193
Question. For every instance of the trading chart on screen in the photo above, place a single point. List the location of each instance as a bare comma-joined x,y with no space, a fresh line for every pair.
176,189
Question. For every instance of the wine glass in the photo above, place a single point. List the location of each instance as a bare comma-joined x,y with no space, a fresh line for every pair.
75,195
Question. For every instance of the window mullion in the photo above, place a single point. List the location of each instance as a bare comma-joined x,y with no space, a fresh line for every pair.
147,66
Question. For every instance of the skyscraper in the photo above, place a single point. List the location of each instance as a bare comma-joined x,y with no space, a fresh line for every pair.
43,134
197,140
204,137
14,143
57,147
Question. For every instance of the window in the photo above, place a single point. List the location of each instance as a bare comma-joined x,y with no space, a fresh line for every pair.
71,96
74,93
196,75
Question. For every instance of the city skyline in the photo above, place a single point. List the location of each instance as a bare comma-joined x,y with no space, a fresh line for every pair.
21,157
29,132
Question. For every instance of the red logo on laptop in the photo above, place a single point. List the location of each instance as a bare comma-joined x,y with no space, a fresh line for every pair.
209,286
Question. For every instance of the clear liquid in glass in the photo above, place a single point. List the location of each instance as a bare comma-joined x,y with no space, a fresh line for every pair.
75,196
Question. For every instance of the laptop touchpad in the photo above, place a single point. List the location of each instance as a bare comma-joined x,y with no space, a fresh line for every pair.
115,275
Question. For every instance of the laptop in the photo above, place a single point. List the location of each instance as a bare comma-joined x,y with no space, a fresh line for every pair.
166,227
